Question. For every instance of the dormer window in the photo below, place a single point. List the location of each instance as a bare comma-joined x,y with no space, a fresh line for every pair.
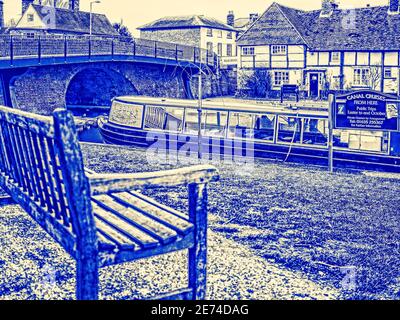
279,50
31,17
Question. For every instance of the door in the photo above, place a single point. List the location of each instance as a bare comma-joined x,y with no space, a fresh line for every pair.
314,85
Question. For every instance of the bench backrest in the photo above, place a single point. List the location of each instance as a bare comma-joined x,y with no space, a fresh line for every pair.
41,167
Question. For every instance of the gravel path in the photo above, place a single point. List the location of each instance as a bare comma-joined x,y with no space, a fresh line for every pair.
32,266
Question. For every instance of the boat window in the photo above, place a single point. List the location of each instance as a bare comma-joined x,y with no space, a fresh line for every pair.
315,132
191,121
164,118
126,114
374,141
256,126
241,125
215,123
264,127
289,129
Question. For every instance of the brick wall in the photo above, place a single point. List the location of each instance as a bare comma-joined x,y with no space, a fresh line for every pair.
43,89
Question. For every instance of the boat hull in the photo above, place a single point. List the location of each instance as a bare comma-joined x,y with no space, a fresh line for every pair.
121,135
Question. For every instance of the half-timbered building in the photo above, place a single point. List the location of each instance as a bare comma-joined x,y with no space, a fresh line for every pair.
328,49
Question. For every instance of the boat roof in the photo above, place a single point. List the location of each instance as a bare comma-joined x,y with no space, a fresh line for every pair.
303,108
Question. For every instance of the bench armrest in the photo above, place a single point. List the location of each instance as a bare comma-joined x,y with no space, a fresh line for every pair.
104,183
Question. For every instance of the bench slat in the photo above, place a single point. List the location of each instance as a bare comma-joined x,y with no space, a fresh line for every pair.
182,226
141,221
114,236
134,233
159,205
105,244
60,199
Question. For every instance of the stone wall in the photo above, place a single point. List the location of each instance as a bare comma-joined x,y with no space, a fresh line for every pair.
188,37
43,89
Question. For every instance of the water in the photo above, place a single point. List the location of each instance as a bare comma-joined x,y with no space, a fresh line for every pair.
92,135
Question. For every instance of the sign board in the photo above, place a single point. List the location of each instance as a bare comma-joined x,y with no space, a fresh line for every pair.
366,110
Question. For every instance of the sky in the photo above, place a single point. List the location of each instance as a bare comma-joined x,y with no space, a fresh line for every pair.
135,13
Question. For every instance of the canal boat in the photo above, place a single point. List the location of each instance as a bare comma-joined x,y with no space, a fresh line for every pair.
293,131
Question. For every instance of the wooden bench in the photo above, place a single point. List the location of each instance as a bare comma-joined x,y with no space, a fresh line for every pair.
290,89
97,218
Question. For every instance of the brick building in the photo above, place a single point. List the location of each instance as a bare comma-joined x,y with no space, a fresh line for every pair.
198,31
327,49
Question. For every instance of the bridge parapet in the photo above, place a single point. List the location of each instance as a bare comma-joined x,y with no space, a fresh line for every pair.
16,51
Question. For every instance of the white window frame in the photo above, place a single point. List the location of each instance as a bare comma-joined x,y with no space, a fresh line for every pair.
229,50
388,73
281,78
248,51
219,33
30,35
210,47
219,49
229,35
361,77
209,32
30,17
279,50
335,56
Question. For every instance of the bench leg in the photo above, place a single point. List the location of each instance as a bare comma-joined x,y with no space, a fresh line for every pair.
87,280
198,254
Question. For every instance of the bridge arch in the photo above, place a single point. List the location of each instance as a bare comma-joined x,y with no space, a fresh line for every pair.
96,86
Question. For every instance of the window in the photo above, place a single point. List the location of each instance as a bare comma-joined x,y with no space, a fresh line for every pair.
248,51
281,77
210,47
164,118
219,33
30,17
388,73
30,35
246,125
219,48
289,129
209,32
229,35
279,50
215,123
229,50
335,56
361,76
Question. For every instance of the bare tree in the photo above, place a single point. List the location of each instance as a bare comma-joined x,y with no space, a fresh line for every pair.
374,77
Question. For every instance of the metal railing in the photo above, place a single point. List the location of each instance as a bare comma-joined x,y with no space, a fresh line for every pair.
13,47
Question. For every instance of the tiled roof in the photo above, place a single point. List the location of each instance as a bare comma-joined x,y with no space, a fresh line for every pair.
370,28
68,20
185,22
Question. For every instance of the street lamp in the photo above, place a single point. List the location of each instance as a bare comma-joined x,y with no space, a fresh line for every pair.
91,15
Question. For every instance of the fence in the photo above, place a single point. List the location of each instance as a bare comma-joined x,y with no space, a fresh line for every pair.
14,47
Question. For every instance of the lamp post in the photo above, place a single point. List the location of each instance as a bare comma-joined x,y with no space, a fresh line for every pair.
91,16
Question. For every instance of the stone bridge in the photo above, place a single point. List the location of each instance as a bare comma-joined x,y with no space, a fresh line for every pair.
45,73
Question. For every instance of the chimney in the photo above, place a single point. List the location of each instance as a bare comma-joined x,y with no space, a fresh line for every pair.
230,19
393,6
327,8
74,5
26,4
1,15
253,17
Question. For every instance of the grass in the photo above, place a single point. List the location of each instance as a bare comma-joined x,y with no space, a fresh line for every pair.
301,218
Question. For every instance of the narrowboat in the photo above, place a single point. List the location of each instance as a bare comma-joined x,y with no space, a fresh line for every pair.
290,132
